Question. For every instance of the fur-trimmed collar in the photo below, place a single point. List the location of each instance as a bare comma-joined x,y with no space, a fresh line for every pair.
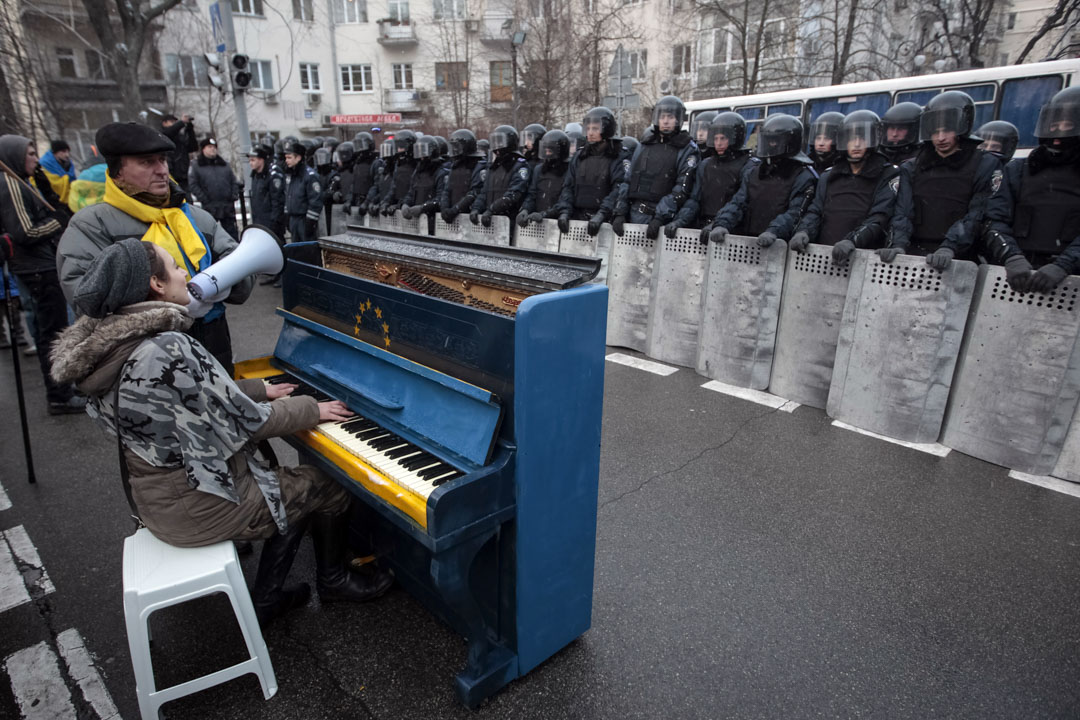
91,352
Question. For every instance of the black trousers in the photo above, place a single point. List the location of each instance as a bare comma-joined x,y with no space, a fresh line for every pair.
215,337
51,317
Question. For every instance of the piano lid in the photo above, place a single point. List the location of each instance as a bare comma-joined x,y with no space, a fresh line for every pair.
530,270
412,399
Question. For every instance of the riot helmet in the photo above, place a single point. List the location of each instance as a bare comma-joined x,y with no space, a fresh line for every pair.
604,118
531,134
577,141
388,149
345,153
999,138
629,144
900,125
323,157
951,111
427,148
554,147
294,148
330,142
826,128
669,105
267,140
279,148
780,136
700,128
859,133
504,139
364,142
289,140
444,147
572,127
1059,119
462,143
732,126
404,140
309,149
483,147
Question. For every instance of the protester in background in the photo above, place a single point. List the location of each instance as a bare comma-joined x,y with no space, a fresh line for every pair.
211,182
181,132
59,169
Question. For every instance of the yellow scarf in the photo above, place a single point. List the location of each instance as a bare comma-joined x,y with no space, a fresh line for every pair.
170,228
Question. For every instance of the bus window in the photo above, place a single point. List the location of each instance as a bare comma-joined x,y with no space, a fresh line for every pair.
751,113
753,116
878,102
919,97
794,109
1021,101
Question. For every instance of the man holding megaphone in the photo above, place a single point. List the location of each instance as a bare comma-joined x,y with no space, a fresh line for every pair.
143,202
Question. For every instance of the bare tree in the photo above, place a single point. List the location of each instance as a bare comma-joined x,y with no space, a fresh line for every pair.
454,45
26,80
762,40
965,29
1065,14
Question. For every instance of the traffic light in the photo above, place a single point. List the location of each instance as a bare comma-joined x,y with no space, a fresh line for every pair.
241,72
213,70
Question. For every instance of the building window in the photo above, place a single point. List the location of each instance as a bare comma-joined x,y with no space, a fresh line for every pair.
356,78
303,10
680,60
97,66
350,11
309,77
186,71
638,63
261,77
399,10
632,2
778,40
448,9
402,76
1012,21
451,76
502,89
247,7
65,60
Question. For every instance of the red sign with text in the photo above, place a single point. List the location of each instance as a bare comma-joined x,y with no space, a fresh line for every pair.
365,119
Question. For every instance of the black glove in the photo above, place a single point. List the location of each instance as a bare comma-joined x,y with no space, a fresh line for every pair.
799,241
940,258
485,219
704,236
719,234
1018,273
311,229
337,197
617,224
536,217
1047,278
594,224
463,206
888,254
652,230
499,206
474,218
406,212
361,209
671,228
449,215
523,218
374,209
346,209
766,239
564,223
842,250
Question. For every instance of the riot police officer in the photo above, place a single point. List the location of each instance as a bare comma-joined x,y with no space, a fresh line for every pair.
404,166
507,179
1034,216
855,198
699,130
900,132
546,183
718,175
484,145
344,156
310,146
465,181
775,192
388,155
530,139
365,171
596,178
303,195
944,188
824,133
329,179
999,138
423,196
629,146
661,174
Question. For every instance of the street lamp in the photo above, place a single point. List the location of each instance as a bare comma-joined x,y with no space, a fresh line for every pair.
518,38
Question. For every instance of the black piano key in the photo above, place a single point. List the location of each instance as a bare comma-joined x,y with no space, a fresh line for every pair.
366,435
435,471
403,450
415,461
356,423
446,478
386,443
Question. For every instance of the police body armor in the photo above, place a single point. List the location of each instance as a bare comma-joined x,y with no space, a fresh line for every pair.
940,196
767,196
402,178
720,181
1047,215
499,179
847,203
549,186
362,178
593,182
461,179
655,173
424,185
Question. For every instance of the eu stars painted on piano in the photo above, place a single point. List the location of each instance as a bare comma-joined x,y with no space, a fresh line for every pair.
364,308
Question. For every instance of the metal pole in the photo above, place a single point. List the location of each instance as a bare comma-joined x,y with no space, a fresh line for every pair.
239,107
12,320
513,71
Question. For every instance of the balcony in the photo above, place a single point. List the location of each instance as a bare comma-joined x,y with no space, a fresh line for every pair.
402,101
496,29
88,92
395,32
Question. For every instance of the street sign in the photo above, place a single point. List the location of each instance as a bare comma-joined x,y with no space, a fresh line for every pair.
626,102
217,27
308,115
386,119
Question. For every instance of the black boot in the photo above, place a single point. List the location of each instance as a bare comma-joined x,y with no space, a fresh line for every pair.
335,582
269,595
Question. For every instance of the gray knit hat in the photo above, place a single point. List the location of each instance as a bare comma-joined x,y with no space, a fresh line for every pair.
119,276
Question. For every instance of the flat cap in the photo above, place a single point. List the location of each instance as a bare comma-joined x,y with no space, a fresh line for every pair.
130,138
261,151
207,141
119,276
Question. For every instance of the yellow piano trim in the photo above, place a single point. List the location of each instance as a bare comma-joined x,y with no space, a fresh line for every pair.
371,479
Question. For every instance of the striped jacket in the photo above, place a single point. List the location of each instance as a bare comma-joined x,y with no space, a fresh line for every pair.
34,230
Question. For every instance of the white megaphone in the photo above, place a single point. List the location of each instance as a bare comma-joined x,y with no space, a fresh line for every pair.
258,252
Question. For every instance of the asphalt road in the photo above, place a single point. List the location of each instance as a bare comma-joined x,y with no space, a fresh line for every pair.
751,563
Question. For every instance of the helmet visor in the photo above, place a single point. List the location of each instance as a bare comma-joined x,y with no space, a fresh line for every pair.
663,111
1059,120
728,130
502,140
387,149
898,134
529,137
947,119
701,130
423,150
322,156
860,135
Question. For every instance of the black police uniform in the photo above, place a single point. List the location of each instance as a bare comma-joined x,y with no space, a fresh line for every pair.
508,180
545,186
661,176
859,206
303,202
463,184
772,198
268,198
718,179
400,179
365,172
595,181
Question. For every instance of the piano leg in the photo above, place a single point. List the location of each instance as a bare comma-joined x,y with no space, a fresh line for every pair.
490,666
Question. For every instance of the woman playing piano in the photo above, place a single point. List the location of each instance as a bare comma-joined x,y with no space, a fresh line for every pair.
187,431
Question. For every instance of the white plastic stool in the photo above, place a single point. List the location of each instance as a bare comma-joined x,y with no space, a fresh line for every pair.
157,575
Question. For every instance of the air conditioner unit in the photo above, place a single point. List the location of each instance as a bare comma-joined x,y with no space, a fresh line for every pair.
425,95
272,99
472,25
666,85
313,99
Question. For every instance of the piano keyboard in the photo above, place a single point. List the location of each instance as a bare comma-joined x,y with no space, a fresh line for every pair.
360,445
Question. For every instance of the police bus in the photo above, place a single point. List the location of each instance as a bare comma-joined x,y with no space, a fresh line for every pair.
1014,93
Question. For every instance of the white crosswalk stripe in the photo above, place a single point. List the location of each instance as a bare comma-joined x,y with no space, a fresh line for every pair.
5,502
22,576
642,364
39,686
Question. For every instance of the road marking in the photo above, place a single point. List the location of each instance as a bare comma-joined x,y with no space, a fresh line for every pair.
1048,482
22,576
81,669
642,364
928,448
756,396
5,503
39,688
